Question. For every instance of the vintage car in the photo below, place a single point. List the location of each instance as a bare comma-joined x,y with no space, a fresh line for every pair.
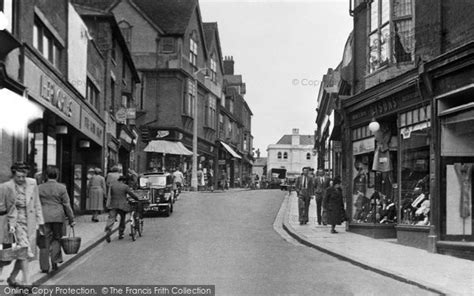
158,189
289,183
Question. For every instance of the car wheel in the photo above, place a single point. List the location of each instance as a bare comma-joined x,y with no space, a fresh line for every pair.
168,212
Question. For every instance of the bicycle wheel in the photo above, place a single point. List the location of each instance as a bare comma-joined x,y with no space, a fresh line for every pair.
140,226
132,228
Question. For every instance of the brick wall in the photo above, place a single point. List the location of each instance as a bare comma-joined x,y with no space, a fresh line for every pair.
458,23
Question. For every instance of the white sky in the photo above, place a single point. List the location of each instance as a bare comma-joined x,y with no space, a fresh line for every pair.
277,47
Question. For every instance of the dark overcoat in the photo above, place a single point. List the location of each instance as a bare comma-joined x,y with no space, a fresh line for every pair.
333,204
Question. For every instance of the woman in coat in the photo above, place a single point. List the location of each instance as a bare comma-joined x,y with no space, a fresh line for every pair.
333,204
23,218
96,193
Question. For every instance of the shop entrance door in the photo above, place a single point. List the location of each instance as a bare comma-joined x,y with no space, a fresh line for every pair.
457,199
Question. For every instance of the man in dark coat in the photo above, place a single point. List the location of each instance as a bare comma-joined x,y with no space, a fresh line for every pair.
321,184
118,204
56,206
333,204
304,190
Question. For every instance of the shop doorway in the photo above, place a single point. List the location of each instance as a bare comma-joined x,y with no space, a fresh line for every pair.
457,184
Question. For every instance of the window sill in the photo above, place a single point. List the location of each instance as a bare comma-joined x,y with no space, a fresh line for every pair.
387,66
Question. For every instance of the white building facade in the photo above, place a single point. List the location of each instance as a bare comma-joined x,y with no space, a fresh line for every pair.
292,152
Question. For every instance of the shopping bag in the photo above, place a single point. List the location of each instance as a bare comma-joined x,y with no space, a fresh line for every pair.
14,252
71,244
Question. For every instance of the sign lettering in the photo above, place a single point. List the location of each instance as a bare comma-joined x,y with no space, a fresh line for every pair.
50,92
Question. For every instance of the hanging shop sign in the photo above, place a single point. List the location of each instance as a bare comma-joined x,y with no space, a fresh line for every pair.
121,116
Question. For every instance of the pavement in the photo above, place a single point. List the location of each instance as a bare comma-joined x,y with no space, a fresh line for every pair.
438,273
91,234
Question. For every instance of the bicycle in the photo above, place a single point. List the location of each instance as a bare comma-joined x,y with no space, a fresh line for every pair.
136,218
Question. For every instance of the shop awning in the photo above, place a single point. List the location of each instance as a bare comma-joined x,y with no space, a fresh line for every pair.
167,147
231,151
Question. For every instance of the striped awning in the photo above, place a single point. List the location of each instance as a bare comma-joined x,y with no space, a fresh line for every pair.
167,147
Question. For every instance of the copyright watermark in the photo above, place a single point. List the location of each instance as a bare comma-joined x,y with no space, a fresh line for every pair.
306,82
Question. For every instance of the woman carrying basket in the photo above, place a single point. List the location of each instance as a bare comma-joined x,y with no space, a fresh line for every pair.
24,218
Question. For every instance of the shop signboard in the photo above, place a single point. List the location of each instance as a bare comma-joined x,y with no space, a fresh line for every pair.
51,94
92,128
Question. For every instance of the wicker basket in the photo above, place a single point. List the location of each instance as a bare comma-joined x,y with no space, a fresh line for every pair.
71,244
13,253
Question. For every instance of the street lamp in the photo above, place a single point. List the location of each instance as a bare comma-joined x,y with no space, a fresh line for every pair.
194,180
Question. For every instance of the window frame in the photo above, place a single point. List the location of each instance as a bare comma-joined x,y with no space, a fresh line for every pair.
308,156
388,39
279,155
193,50
41,35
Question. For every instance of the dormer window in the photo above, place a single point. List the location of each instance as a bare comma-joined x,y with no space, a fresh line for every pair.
193,50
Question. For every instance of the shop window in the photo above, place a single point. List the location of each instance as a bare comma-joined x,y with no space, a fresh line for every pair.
279,155
35,149
374,176
308,156
415,170
46,44
391,33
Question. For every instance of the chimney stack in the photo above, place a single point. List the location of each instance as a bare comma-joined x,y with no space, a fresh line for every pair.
229,65
295,137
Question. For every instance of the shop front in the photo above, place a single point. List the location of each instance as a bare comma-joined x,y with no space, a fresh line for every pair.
229,161
69,135
450,79
389,167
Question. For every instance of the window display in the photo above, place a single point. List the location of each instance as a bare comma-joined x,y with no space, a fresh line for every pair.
375,161
415,185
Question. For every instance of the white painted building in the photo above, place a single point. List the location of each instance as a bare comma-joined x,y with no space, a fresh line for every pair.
292,152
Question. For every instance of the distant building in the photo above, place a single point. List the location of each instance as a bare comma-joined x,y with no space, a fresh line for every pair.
292,152
260,166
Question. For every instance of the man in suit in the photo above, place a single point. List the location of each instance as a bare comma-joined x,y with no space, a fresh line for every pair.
117,202
304,190
56,206
321,183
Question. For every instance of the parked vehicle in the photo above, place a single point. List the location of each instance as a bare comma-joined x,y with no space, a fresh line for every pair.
289,183
160,193
277,177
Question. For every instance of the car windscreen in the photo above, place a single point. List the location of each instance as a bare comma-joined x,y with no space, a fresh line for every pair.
147,181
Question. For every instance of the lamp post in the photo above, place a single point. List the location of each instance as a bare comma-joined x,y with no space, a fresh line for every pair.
194,180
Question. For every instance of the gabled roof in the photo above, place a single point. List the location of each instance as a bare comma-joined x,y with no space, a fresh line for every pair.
304,140
210,30
172,16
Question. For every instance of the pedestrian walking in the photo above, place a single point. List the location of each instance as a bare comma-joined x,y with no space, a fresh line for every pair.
321,184
223,180
96,190
118,204
6,204
56,206
24,218
178,180
210,180
304,190
333,204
